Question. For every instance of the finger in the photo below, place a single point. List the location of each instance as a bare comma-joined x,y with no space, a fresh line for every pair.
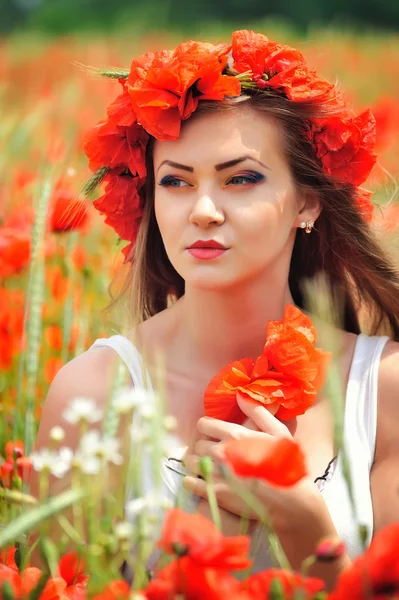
249,424
208,448
199,487
262,417
195,486
192,464
220,430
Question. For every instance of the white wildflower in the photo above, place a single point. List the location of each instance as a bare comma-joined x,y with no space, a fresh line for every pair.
87,463
147,411
135,507
57,434
140,435
170,423
94,450
124,530
152,502
166,504
106,447
82,409
57,463
129,398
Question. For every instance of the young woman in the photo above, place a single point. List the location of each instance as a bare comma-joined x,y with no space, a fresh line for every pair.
234,173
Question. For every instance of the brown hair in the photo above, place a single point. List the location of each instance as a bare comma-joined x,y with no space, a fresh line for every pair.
342,246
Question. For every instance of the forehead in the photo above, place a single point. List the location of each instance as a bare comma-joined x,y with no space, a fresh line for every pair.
215,137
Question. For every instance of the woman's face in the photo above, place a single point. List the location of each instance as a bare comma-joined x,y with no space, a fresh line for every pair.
226,179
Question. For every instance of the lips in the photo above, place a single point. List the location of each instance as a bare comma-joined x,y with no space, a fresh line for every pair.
207,244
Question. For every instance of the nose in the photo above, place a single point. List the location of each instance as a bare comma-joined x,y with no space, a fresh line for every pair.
205,213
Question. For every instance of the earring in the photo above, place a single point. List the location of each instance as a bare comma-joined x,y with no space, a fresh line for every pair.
303,225
309,226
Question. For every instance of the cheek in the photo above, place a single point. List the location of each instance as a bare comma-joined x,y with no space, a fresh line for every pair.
265,219
165,214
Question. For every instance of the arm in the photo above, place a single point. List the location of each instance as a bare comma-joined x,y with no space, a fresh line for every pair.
384,477
89,375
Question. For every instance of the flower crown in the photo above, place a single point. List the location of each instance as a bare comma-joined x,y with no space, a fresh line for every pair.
164,88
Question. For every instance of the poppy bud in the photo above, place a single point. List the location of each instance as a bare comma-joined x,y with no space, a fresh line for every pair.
330,549
206,466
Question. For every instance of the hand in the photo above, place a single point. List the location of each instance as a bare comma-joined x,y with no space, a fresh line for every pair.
260,423
286,507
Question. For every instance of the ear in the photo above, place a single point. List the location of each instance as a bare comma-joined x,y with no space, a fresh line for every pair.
309,208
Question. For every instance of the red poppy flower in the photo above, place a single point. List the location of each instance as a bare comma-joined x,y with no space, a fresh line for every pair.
115,590
250,51
12,577
375,574
293,584
71,569
364,204
79,257
284,67
285,377
7,557
15,250
121,203
185,578
195,536
11,325
346,147
301,85
111,145
165,87
57,282
120,111
23,583
53,336
220,395
54,589
15,464
280,462
67,212
289,346
51,368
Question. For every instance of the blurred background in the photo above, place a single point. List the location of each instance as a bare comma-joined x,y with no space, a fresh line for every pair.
62,16
57,257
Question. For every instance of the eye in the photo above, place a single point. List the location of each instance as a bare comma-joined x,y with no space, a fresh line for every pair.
171,181
246,178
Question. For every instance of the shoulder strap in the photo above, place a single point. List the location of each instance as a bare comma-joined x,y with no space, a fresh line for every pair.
130,355
362,392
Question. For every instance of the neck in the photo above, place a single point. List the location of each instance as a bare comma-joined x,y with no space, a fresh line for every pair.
214,328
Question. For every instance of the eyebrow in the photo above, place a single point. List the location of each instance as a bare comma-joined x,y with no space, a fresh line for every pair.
218,167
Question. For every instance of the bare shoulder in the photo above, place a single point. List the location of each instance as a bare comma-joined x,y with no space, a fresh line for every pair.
89,375
384,478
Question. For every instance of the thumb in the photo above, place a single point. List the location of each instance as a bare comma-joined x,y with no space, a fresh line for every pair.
261,415
248,405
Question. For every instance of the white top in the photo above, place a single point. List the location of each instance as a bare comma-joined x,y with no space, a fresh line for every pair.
360,424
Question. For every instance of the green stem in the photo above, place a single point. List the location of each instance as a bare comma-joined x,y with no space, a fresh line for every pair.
307,564
251,500
213,504
206,466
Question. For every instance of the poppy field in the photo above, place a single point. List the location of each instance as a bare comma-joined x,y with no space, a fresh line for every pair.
57,262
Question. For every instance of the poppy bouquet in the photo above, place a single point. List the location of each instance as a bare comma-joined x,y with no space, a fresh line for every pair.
164,88
285,377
